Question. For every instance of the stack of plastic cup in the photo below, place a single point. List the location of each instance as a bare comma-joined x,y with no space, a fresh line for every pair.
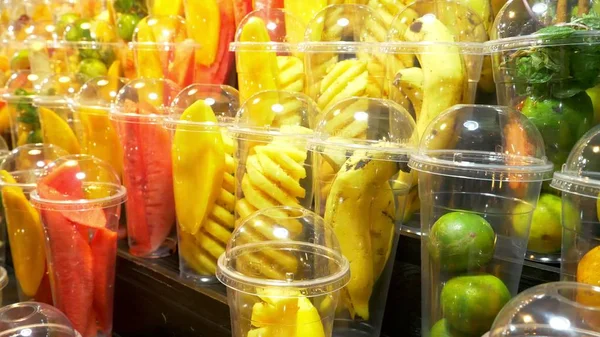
138,111
579,182
560,97
19,174
283,270
35,320
480,173
79,198
203,159
273,166
360,153
557,309
267,54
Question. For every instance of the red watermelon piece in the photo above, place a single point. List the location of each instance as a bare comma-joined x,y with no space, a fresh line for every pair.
104,252
93,217
63,180
148,178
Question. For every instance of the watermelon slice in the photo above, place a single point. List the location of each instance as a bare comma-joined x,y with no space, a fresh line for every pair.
93,217
104,252
148,179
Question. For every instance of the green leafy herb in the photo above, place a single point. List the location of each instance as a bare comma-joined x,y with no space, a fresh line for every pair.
557,32
137,7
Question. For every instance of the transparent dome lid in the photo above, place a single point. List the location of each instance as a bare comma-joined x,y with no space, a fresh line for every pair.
275,112
289,248
159,30
482,142
581,172
78,182
144,100
271,29
465,24
32,319
26,163
380,126
57,90
22,86
521,18
98,93
558,309
222,99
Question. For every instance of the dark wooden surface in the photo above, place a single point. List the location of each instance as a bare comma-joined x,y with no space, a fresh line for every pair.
151,300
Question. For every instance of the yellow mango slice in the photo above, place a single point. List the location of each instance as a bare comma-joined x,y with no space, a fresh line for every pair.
168,7
203,20
308,321
99,138
57,131
26,236
148,62
198,168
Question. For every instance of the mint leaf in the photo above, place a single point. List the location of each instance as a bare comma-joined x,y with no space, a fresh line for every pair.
557,32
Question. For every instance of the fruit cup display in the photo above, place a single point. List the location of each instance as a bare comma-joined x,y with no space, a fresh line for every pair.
343,57
19,174
478,191
267,53
551,309
273,167
37,319
79,198
162,49
203,175
360,183
546,66
95,132
579,182
283,270
138,112
421,35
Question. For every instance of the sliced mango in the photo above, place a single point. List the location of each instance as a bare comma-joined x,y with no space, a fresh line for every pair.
198,168
203,20
168,7
57,131
308,321
148,62
26,237
99,137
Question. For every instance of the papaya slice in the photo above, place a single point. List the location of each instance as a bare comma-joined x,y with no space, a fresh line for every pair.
198,168
147,175
104,252
26,237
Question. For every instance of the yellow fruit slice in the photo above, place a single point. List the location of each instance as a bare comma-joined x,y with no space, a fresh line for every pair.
198,167
26,236
114,73
4,119
148,63
203,22
99,137
308,321
210,245
57,131
588,271
169,7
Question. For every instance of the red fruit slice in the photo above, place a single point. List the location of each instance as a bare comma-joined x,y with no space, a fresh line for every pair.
71,267
181,69
44,293
148,179
63,180
94,217
104,252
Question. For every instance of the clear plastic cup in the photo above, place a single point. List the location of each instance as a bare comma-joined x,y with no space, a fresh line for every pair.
267,54
344,56
414,51
79,198
580,186
162,49
96,133
557,309
3,281
283,270
19,174
480,173
138,112
4,152
203,159
35,320
361,179
559,96
273,167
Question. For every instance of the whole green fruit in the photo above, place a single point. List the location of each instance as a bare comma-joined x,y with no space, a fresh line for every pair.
545,232
470,303
126,24
91,68
442,329
460,241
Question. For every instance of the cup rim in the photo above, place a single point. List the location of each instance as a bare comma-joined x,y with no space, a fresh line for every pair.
570,182
173,122
82,204
239,282
541,40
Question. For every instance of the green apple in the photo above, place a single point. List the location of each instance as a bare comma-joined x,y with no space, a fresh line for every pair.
545,233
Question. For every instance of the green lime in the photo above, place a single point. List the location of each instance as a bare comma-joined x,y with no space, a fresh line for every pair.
442,329
545,231
65,20
91,68
461,241
470,303
20,60
126,24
